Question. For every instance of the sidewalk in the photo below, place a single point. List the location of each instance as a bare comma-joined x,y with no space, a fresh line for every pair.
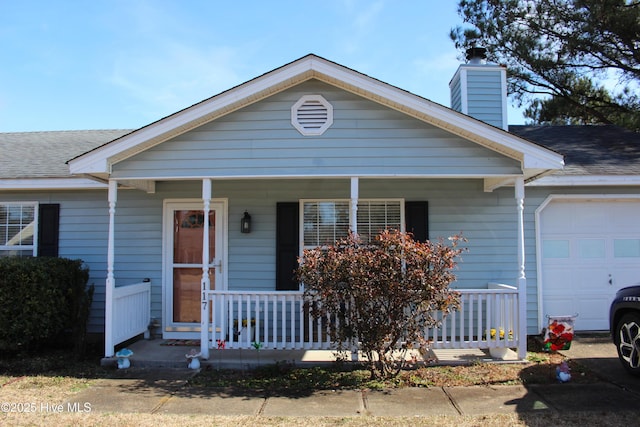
166,391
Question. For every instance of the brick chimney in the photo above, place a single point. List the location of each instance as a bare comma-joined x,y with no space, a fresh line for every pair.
479,89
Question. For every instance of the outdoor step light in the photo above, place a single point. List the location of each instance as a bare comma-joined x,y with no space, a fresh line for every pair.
245,223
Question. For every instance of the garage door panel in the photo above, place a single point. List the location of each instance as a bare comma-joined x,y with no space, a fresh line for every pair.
591,309
580,280
556,249
627,213
624,278
626,249
587,280
558,275
559,306
590,249
584,218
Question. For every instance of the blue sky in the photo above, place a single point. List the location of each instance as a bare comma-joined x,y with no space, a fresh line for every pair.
72,64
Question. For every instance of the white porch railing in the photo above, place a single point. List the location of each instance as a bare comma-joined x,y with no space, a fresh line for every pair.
131,311
488,318
282,320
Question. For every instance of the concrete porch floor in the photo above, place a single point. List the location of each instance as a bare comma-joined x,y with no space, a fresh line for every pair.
155,354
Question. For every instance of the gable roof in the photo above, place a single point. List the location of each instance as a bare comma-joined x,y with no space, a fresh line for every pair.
535,159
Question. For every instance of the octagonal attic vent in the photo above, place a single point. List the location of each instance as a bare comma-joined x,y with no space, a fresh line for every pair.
312,115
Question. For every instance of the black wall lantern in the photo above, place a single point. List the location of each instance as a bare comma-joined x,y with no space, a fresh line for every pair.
245,223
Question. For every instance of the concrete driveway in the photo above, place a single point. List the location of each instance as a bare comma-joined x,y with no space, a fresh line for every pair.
598,353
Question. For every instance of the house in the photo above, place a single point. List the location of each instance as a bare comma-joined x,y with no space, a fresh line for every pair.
195,221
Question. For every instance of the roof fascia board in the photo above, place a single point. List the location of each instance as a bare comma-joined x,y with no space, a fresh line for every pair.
51,184
491,184
586,180
128,179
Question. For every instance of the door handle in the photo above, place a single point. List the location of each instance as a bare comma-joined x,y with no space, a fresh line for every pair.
217,264
610,280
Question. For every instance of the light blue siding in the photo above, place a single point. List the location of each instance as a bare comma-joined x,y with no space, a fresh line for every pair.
482,90
484,96
488,220
365,139
456,93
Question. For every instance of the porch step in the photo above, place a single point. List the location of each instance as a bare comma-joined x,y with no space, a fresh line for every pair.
150,354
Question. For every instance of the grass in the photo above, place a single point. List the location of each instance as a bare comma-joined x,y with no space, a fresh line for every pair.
46,377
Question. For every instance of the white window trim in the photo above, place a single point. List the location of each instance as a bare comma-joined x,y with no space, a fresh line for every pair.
34,246
306,131
340,200
302,202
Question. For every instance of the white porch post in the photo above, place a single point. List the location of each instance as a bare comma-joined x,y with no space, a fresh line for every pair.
522,280
109,345
354,229
354,204
206,282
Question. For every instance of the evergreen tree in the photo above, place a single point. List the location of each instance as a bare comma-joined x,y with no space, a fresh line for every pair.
584,55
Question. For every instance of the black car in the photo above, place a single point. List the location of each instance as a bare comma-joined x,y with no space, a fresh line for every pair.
624,321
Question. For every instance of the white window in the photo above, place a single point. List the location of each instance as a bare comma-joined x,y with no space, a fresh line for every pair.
18,228
325,221
375,216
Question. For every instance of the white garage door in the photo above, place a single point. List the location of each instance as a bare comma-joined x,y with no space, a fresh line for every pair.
590,249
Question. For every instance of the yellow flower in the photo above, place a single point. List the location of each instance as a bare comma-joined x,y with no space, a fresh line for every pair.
244,323
493,333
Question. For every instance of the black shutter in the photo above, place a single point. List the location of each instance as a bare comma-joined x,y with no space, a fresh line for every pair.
48,227
287,245
417,220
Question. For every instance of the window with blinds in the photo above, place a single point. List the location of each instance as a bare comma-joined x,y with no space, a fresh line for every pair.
326,221
376,216
17,229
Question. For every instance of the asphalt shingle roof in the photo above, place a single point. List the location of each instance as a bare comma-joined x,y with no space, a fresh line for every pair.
44,154
588,150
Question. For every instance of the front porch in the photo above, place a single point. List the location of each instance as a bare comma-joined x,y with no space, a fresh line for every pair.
245,327
238,308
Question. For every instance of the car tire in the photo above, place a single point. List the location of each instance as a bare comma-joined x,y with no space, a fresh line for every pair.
628,342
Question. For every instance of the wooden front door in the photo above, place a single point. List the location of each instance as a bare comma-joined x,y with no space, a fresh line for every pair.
184,230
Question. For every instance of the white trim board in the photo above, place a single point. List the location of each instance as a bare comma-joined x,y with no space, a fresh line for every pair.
538,232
